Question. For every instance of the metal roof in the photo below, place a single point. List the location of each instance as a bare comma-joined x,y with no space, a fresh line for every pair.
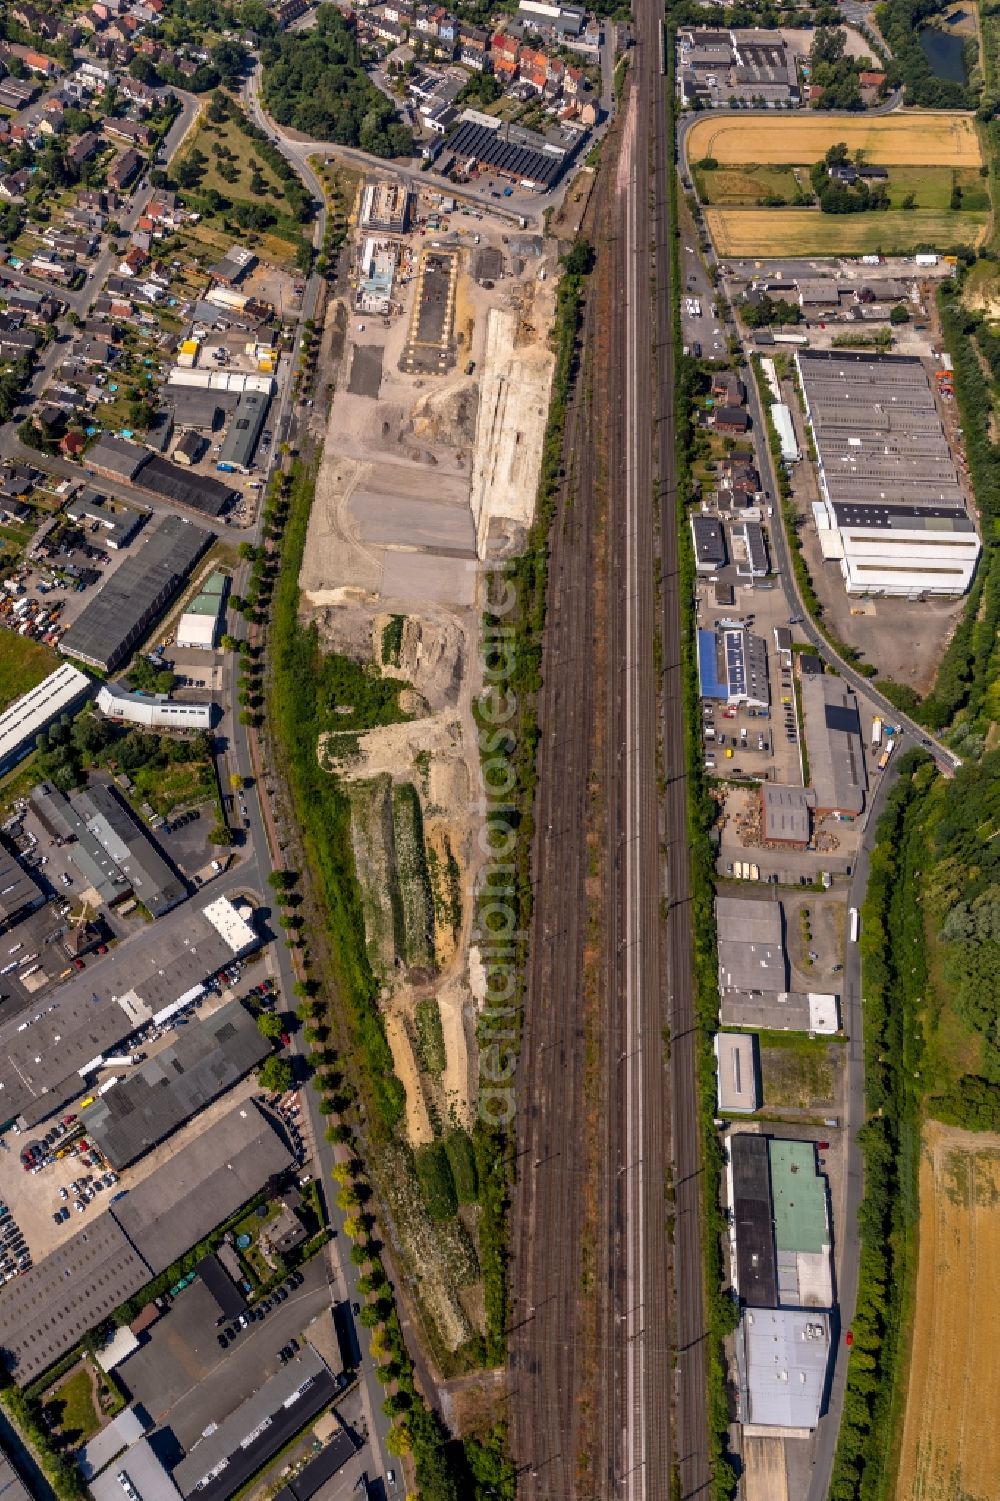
136,594
833,737
43,1047
203,1060
224,1461
799,1192
202,1184
751,944
35,710
245,429
783,1356
46,1310
141,1468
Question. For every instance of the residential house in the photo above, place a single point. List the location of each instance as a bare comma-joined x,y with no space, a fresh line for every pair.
726,419
125,169
50,266
474,45
83,148
130,130
132,261
14,185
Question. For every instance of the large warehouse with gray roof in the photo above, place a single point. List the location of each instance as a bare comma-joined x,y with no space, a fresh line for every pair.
136,594
47,1052
200,1063
893,511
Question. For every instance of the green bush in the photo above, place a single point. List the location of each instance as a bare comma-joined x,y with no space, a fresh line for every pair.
436,1181
462,1160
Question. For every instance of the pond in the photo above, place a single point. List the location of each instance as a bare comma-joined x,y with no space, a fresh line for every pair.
946,54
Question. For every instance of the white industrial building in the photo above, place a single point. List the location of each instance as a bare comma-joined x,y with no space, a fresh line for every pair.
893,513
785,428
29,715
782,1355
155,711
736,1055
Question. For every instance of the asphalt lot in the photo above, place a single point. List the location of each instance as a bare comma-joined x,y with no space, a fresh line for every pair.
184,1380
703,329
366,370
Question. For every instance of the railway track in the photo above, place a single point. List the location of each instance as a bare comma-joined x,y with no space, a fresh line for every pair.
600,689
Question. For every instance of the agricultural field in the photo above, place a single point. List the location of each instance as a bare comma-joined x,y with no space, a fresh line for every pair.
951,1439
924,138
804,232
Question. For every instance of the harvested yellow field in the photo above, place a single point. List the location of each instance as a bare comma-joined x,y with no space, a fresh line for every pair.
951,1437
805,231
928,138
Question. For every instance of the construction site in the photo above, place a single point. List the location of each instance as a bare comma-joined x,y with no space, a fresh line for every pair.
429,474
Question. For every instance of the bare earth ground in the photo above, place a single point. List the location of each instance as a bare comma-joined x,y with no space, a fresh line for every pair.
951,1437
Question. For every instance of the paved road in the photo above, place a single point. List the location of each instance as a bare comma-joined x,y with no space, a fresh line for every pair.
845,1220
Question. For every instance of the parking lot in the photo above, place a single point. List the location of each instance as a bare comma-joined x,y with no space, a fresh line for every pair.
180,1374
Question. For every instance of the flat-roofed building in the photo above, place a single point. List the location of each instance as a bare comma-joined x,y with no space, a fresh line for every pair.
113,853
19,893
755,1276
243,435
203,1184
49,1308
225,1461
836,750
130,602
118,521
782,1356
25,719
385,206
893,512
732,665
781,1011
201,1062
751,944
47,1053
127,1428
737,1057
139,1472
709,543
801,1226
157,711
12,1487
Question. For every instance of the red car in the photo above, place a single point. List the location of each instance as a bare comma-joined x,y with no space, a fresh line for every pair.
849,1338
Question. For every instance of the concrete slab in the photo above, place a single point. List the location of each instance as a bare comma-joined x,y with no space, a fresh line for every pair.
403,521
430,580
764,1474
